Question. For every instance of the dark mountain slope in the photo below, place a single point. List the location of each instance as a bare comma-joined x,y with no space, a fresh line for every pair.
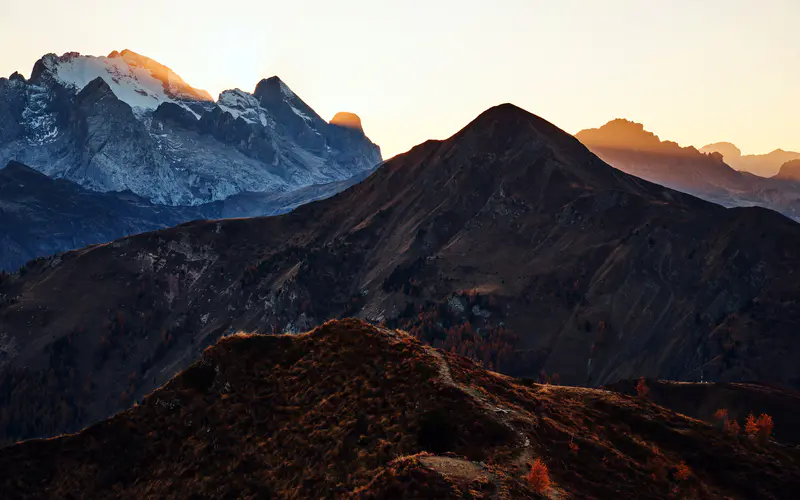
703,400
509,243
354,411
42,216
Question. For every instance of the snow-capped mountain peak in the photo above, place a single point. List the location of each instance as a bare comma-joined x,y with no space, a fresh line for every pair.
126,122
136,80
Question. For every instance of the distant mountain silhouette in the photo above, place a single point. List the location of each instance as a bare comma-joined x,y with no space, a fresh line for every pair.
629,147
789,171
766,165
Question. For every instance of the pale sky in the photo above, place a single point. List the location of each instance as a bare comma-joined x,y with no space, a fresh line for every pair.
693,71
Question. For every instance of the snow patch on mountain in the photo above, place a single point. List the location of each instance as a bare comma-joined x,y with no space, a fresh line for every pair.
290,96
243,105
38,120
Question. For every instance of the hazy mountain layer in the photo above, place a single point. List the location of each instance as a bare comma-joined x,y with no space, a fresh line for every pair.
629,147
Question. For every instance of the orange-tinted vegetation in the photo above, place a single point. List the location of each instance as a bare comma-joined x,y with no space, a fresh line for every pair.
641,389
759,428
352,410
538,477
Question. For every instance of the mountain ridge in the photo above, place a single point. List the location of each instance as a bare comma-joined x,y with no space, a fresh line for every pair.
357,411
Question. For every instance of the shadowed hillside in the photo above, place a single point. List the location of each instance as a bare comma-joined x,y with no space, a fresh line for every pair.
737,400
351,410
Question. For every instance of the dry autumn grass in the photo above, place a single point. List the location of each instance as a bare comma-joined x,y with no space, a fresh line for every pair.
353,410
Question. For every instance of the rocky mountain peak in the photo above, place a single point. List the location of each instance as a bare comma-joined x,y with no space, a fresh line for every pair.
139,81
98,85
621,133
728,150
15,76
273,94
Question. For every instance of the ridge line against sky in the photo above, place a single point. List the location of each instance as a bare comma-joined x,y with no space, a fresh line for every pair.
691,72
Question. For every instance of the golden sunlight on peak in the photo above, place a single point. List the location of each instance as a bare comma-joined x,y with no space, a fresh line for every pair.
348,120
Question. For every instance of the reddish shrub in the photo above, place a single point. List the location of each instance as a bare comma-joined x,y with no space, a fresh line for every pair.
764,427
750,426
641,389
732,427
539,477
683,472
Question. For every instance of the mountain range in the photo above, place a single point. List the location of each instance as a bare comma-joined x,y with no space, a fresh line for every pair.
510,243
707,173
128,124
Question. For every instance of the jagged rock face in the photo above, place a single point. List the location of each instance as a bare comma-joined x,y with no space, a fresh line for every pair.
138,80
126,122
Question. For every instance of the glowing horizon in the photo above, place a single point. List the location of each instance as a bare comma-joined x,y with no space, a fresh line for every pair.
694,74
